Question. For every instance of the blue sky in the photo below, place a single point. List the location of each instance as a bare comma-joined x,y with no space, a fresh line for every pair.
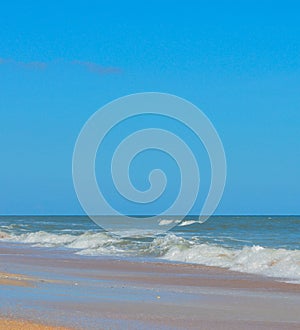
236,60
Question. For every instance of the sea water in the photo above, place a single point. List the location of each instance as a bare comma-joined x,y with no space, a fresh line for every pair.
265,245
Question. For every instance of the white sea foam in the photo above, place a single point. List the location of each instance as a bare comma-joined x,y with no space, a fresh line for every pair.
166,222
280,263
187,223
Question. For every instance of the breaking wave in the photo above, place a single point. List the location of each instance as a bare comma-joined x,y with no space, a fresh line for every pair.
280,263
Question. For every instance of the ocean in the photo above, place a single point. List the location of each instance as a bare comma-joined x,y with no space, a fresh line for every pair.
265,245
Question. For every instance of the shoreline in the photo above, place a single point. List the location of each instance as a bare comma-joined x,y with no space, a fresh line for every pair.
45,285
25,254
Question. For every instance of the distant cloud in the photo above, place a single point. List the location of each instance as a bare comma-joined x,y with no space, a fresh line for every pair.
96,68
39,65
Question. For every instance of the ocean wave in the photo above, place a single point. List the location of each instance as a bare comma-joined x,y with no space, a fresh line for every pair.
166,222
87,240
4,235
279,263
187,223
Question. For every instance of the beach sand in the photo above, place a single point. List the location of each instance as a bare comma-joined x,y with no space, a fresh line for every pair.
7,324
55,287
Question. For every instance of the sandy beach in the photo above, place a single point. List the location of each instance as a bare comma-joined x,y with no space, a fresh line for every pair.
8,324
54,288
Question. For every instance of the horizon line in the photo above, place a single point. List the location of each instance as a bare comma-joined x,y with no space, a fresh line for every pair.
149,215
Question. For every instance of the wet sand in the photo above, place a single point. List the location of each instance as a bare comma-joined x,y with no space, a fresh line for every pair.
63,289
15,279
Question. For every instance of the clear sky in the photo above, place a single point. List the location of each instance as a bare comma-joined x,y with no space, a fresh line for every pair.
236,60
